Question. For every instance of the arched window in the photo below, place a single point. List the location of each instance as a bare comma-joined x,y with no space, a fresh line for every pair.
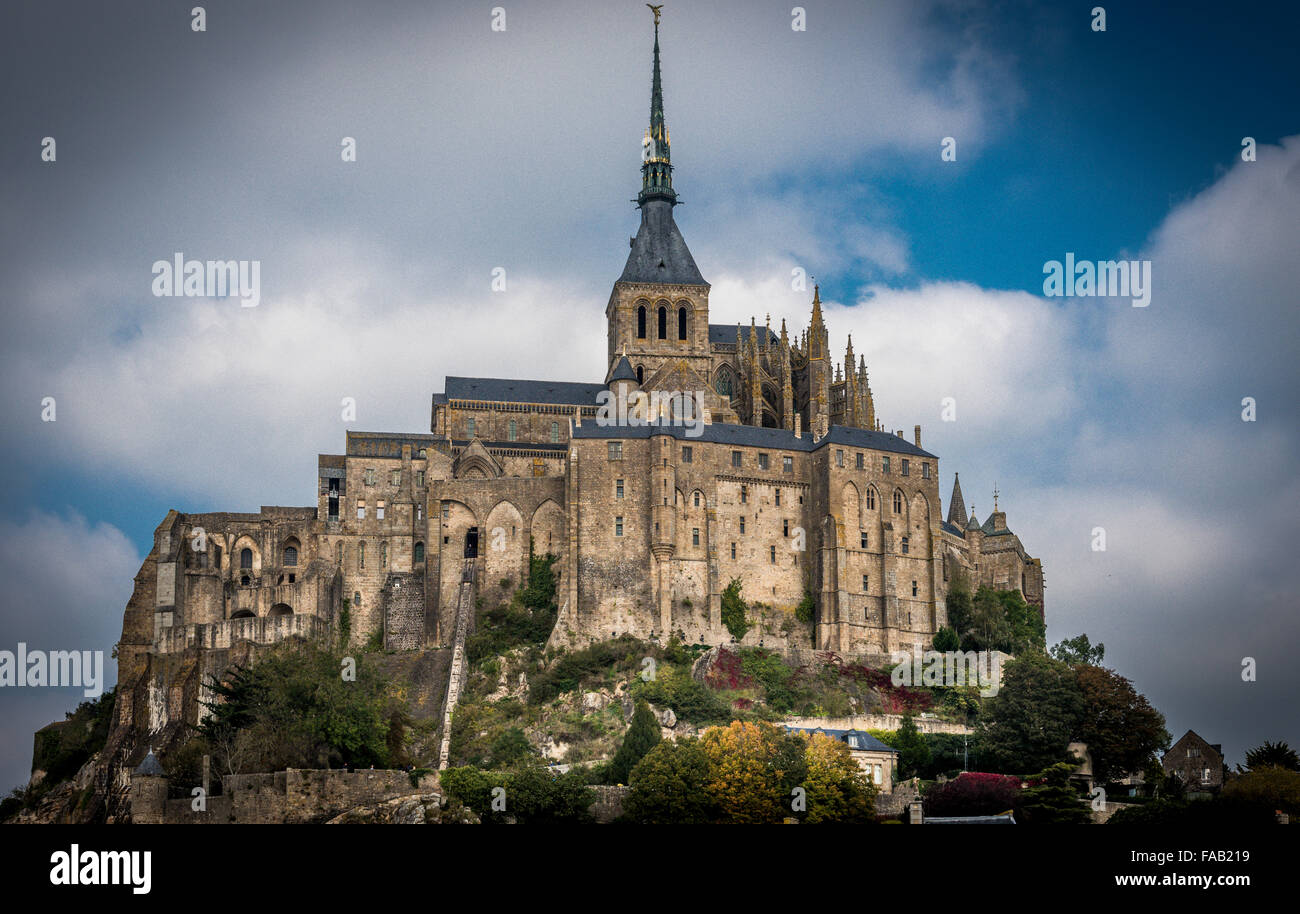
898,502
723,385
871,499
640,322
681,323
291,555
245,580
663,323
419,553
246,558
640,374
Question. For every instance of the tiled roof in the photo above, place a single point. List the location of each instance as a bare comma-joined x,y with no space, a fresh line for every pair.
726,333
865,741
753,436
659,253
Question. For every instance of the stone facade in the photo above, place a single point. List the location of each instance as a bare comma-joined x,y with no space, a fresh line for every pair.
1198,764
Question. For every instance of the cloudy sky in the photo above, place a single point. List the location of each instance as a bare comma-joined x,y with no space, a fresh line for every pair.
816,150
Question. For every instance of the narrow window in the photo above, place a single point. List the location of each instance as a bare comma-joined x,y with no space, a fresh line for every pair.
640,322
864,539
618,488
446,510
778,498
925,471
618,526
735,458
419,479
695,536
905,468
395,478
663,323
839,458
772,554
469,428
615,450
866,580
681,323
419,553
379,511
871,499
370,477
555,433
787,464
762,461
744,494
733,552
513,430
742,525
913,588
686,454
640,374
884,464
859,464
898,502
246,558
904,545
785,528
697,499
361,510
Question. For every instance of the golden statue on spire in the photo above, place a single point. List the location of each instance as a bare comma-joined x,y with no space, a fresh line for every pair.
655,9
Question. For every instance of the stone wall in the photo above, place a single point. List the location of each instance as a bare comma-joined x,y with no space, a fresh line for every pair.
877,722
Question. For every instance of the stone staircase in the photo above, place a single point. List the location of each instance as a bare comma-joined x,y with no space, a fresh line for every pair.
455,680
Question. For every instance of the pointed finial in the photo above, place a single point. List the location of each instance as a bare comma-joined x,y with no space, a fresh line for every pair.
655,9
995,496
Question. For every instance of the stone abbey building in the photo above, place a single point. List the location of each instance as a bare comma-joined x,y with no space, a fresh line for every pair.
789,484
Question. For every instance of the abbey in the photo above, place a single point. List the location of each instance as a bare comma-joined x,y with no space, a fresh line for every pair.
791,485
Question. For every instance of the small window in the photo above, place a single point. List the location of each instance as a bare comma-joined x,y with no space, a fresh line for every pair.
884,464
618,525
446,510
379,511
866,581
245,580
913,588
246,558
735,458
772,554
419,553
555,433
778,498
424,454
681,323
618,488
906,471
663,323
785,528
744,494
871,499
859,461
762,461
512,430
733,552
898,502
742,525
904,545
470,428
395,478
419,479
640,322
925,471
839,458
697,499
686,454
615,450
361,510
695,536
290,555
863,539
370,477
787,464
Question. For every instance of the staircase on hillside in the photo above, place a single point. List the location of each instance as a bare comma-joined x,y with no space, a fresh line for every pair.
464,613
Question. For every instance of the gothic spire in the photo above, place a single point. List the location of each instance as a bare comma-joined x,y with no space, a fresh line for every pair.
656,164
956,505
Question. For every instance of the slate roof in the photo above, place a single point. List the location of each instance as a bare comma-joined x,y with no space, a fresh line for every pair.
659,252
953,529
726,333
865,741
1004,819
150,767
753,436
623,371
512,390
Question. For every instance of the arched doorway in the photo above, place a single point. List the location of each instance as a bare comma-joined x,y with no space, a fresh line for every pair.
471,543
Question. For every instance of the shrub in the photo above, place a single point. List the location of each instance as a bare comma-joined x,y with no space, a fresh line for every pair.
733,611
973,794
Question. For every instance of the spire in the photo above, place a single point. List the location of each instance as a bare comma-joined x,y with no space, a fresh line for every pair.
656,165
956,504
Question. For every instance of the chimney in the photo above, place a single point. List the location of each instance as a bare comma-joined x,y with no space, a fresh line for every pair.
916,431
899,432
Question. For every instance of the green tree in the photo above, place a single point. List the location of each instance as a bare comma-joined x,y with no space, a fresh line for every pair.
1051,800
733,610
959,602
642,736
1077,650
1029,724
1278,755
945,639
671,786
1119,725
913,750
